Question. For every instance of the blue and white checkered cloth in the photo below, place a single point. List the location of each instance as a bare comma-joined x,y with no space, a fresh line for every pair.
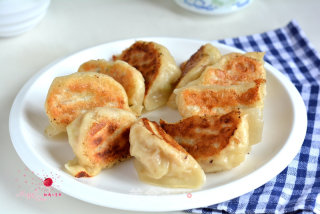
297,188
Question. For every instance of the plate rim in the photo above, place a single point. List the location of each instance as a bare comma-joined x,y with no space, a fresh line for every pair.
200,198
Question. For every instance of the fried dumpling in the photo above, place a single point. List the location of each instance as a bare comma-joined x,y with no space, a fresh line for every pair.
99,139
191,69
235,81
234,69
218,142
221,99
129,77
99,66
160,160
158,68
71,95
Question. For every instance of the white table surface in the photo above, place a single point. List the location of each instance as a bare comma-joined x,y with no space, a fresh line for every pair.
70,26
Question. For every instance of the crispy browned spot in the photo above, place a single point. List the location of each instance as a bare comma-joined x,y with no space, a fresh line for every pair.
182,66
82,174
209,99
243,68
238,69
122,74
204,136
96,127
99,66
118,71
145,57
89,66
98,133
97,140
160,133
65,102
242,64
107,142
112,127
116,150
193,61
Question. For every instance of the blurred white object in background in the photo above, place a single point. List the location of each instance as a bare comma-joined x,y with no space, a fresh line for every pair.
19,16
213,7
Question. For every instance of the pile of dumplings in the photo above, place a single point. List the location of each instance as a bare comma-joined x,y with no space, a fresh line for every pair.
220,98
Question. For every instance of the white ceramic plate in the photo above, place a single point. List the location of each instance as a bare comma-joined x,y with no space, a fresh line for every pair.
119,187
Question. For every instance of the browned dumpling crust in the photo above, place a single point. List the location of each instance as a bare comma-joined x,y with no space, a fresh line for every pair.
99,66
192,68
128,76
158,68
233,69
235,81
71,95
99,139
217,142
160,160
203,100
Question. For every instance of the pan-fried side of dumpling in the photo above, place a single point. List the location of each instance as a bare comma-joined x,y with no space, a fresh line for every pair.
191,69
71,95
99,139
160,160
158,68
237,70
99,66
221,99
233,69
217,142
128,76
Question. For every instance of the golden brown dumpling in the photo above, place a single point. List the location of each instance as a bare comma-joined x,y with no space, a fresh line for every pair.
160,160
158,68
191,69
234,69
99,66
71,95
220,99
235,81
129,77
217,142
99,138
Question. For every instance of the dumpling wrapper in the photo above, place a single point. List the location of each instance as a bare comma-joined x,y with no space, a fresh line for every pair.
218,143
158,68
160,160
219,99
234,81
71,95
234,69
99,139
191,69
129,77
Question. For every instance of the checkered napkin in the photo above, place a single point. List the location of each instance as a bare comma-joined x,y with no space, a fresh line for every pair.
297,188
